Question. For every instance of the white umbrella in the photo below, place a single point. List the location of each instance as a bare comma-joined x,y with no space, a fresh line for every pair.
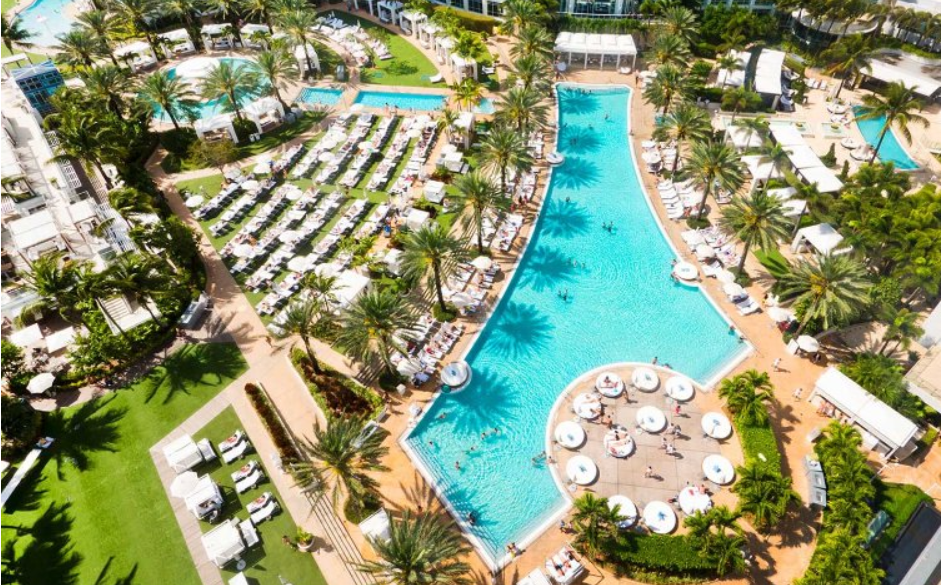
705,251
298,264
482,263
462,299
232,173
651,157
326,157
329,142
184,484
327,270
561,66
195,201
289,236
725,276
41,383
250,185
409,367
780,314
243,250
414,133
455,374
733,289
808,344
423,119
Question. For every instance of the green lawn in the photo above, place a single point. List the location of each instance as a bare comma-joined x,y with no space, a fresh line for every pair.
94,510
408,66
899,502
272,559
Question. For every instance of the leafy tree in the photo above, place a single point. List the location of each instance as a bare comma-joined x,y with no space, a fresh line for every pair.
680,22
884,378
78,48
479,197
840,557
738,99
533,40
15,373
174,95
432,252
902,328
369,327
758,219
297,25
420,549
467,93
517,14
685,123
523,109
139,277
189,11
730,63
594,523
764,494
446,120
899,106
670,50
710,164
14,34
670,87
20,424
278,69
138,16
718,538
107,83
848,57
747,395
533,71
504,150
171,240
129,201
229,83
229,10
261,9
104,26
54,281
831,288
215,154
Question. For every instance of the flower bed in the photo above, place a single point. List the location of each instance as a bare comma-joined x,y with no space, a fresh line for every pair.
335,394
272,421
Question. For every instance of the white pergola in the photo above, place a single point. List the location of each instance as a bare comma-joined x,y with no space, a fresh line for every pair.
266,113
913,75
253,35
301,57
178,41
216,128
349,286
217,36
805,161
463,68
443,46
411,21
743,138
389,10
427,33
736,77
224,543
138,54
768,75
597,46
823,237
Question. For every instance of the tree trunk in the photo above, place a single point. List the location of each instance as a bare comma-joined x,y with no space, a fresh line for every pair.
705,196
885,130
676,160
277,94
885,344
741,263
314,363
436,268
169,111
104,175
480,233
503,180
310,64
840,87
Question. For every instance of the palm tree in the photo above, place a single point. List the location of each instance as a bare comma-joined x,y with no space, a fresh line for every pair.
306,319
129,201
680,22
757,126
829,288
104,26
718,538
533,40
902,328
229,10
522,108
757,219
107,83
432,252
504,150
735,99
446,120
340,459
848,57
712,164
594,523
764,494
260,9
278,69
480,196
686,122
228,83
14,34
173,94
297,25
730,63
138,277
467,93
78,48
54,281
670,50
533,71
898,107
85,138
188,11
668,88
517,14
746,396
139,14
838,438
368,327
420,549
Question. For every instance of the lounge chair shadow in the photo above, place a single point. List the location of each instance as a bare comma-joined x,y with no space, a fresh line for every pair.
564,219
547,268
523,330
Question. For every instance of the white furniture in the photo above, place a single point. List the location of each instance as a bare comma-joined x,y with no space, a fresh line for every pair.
563,567
618,443
570,434
250,481
581,470
716,425
587,405
659,517
680,388
718,469
627,511
609,384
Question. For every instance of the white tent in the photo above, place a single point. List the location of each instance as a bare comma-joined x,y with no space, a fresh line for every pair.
204,497
920,78
598,47
138,54
349,285
377,526
443,46
224,542
182,454
411,20
301,58
888,431
463,67
735,77
215,128
389,10
768,74
178,41
803,156
417,218
822,237
266,113
792,207
434,191
252,35
760,168
821,177
743,138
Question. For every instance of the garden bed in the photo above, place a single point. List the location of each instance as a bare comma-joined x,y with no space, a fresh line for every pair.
335,394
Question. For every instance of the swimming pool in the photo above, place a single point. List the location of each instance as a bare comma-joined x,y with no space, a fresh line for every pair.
485,106
891,150
320,96
47,19
622,306
206,109
402,101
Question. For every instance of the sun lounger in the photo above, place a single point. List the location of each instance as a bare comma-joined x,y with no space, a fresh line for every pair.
436,78
206,450
748,306
250,481
231,442
562,569
236,452
249,533
265,512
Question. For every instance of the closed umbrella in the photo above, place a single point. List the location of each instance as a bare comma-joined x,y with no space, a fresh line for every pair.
184,484
250,185
298,264
482,263
705,251
41,383
725,276
195,201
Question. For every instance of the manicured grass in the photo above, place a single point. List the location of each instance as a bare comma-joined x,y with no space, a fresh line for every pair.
271,559
94,511
408,66
899,501
207,186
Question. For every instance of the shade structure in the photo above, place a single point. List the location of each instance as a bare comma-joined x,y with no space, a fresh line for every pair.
587,405
780,314
680,388
716,425
223,543
195,201
60,339
184,484
725,276
692,500
41,383
196,68
705,251
718,469
570,434
659,517
182,454
808,344
482,263
627,511
288,236
299,264
733,289
27,336
609,384
456,374
645,379
409,367
250,185
462,299
581,470
377,527
651,419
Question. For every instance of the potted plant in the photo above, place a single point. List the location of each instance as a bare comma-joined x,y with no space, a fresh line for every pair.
305,540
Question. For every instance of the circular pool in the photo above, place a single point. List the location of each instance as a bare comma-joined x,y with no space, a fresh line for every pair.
194,71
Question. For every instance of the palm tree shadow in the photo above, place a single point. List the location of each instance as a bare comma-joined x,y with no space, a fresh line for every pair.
522,328
29,496
489,398
90,428
103,578
49,556
576,173
578,140
579,103
210,364
546,268
564,219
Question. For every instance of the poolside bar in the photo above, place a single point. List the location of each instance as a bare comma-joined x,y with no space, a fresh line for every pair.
597,47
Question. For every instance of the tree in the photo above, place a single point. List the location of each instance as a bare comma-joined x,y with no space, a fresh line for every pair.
756,219
340,459
188,10
108,83
479,197
297,25
533,71
173,94
829,288
898,106
139,277
420,549
54,281
446,120
369,327
86,136
687,122
533,40
718,538
214,154
738,99
848,57
229,11
229,82
680,22
14,34
467,93
517,14
309,318
710,164
747,395
764,494
432,252
278,69
776,157
260,9
902,328
129,201
523,109
104,26
729,63
78,48
670,87
594,523
841,557
138,15
670,50
505,150
884,378
838,438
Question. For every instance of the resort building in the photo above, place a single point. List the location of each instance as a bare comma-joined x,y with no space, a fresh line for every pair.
924,379
752,5
915,556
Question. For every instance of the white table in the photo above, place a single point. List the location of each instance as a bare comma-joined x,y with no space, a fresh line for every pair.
626,510
609,384
680,388
587,406
645,379
581,470
716,425
718,469
651,419
570,434
692,501
659,517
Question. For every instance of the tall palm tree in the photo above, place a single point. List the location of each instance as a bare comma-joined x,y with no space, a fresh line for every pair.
229,83
730,63
712,164
764,494
746,395
670,87
340,459
104,26
686,122
504,150
776,157
533,71
758,219
260,9
139,277
446,120
594,523
14,34
670,50
230,11
85,138
420,549
54,281
369,326
139,15
129,201
432,252
188,11
902,328
78,48
479,196
173,94
848,57
898,105
522,108
533,40
278,69
829,288
735,99
680,22
297,25
517,14
838,438
467,93
306,319
107,83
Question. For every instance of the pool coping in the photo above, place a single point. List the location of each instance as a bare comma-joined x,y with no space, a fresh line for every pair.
918,166
498,564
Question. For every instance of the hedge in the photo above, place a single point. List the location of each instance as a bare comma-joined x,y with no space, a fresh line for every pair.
600,25
759,440
470,21
655,558
276,429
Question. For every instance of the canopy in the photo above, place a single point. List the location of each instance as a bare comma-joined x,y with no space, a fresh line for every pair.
482,263
27,336
596,44
197,67
922,78
41,383
349,285
822,177
60,339
215,29
33,229
736,77
417,218
823,237
787,135
182,454
224,542
768,72
179,34
377,526
803,156
743,138
205,490
134,48
184,484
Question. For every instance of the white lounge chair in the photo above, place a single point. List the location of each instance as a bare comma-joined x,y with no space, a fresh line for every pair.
569,568
249,533
236,452
748,306
264,513
249,482
436,78
206,450
231,442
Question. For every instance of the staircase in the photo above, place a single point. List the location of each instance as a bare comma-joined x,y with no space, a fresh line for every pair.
115,309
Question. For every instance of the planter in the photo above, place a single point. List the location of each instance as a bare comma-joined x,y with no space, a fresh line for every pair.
305,547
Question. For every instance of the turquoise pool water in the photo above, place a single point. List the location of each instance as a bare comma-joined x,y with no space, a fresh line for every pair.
622,306
891,150
320,96
208,108
47,19
485,106
403,101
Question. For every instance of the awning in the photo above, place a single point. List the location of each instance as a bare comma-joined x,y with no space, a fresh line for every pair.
803,156
823,237
914,75
595,44
787,136
742,138
27,336
822,178
60,339
768,72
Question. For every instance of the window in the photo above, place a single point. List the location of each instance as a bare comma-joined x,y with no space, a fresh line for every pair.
475,6
494,8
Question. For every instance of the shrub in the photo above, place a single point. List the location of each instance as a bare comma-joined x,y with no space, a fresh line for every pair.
471,21
829,159
276,429
713,94
448,314
13,367
698,223
657,558
358,509
759,444
20,425
337,395
178,142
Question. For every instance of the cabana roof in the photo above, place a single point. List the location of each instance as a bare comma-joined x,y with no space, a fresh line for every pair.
262,106
349,286
822,178
215,29
908,72
253,28
823,237
133,48
743,138
222,121
33,229
924,379
180,34
224,542
787,136
734,78
594,43
768,72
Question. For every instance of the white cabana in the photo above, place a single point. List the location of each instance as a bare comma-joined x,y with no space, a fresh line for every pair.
301,56
464,126
792,207
787,135
35,234
427,35
434,191
443,47
178,41
255,36
417,218
349,285
393,261
216,128
463,68
182,454
138,54
389,10
823,178
760,168
410,21
204,498
267,113
743,138
224,543
60,339
734,77
805,161
594,47
377,527
823,237
884,429
217,36
923,79
27,336
768,74
803,156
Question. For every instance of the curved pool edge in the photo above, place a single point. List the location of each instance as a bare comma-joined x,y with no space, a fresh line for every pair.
918,167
